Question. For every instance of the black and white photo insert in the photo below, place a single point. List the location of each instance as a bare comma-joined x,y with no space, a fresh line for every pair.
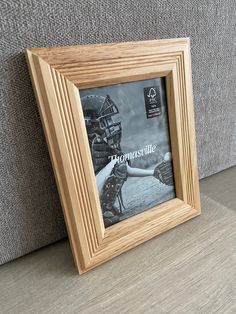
128,133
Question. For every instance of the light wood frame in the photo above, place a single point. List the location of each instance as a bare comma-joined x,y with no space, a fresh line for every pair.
57,75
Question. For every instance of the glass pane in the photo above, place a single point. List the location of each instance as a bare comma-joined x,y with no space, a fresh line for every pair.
128,133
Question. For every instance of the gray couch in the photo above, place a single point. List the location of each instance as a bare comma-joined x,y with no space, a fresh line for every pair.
30,212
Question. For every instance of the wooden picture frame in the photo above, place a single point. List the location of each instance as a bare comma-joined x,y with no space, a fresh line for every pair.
58,74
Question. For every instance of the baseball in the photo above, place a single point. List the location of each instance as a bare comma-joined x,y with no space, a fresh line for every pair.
167,156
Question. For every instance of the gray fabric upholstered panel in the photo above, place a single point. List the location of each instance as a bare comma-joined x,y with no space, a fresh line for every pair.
30,213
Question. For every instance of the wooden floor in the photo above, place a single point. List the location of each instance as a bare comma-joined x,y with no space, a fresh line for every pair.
190,269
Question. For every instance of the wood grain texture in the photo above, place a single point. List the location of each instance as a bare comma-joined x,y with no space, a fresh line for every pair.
58,74
189,269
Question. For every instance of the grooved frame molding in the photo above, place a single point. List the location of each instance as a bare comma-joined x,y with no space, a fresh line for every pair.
58,74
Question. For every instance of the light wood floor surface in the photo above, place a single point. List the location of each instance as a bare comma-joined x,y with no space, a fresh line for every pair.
190,269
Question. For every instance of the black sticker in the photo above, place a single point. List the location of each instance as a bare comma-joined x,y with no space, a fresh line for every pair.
152,101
